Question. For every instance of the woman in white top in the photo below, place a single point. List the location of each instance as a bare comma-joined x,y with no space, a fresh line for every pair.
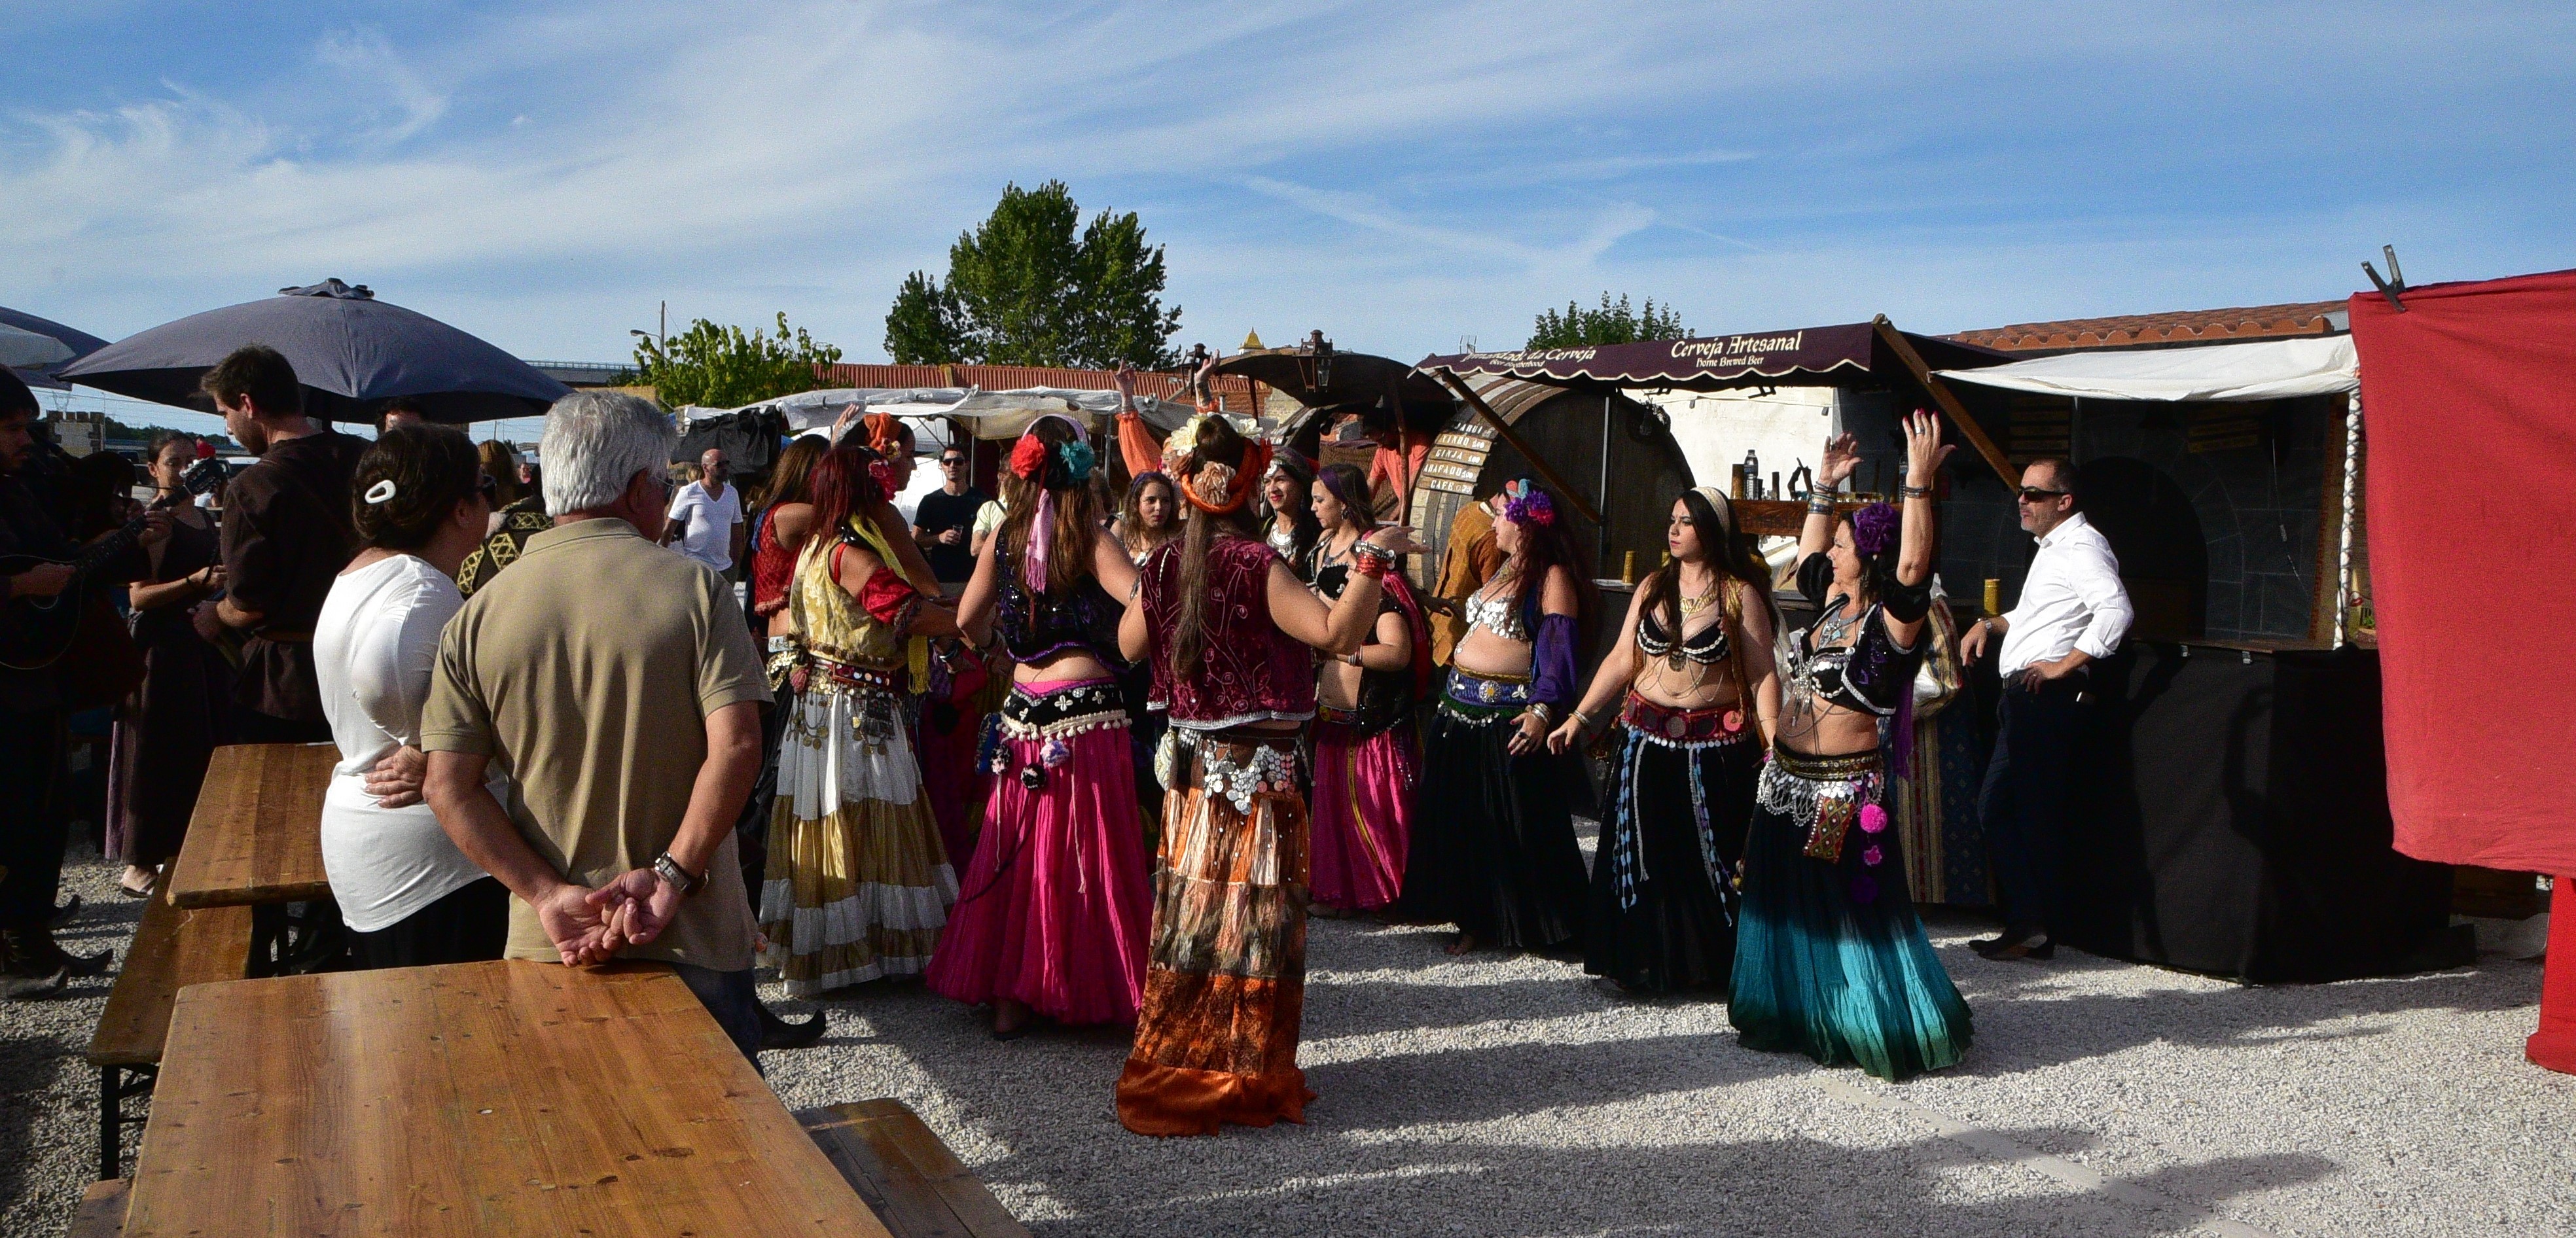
410,898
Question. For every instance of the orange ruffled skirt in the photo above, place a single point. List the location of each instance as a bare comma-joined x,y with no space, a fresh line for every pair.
1225,985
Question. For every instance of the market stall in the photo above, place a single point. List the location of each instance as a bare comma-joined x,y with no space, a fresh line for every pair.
1857,377
2229,813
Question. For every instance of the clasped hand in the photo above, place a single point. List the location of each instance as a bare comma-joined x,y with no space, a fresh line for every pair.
590,927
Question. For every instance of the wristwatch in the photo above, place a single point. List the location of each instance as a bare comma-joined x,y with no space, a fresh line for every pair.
669,870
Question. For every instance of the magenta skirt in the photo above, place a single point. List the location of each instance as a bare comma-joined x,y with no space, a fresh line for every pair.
1054,908
1363,814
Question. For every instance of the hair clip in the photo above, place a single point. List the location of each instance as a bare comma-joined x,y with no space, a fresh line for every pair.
381,492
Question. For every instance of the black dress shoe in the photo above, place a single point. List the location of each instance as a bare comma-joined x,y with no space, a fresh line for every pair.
68,912
778,1033
33,952
2015,946
16,987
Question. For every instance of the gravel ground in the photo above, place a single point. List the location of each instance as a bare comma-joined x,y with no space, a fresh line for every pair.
1511,1096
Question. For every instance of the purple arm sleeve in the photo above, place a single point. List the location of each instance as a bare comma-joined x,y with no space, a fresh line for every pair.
1552,662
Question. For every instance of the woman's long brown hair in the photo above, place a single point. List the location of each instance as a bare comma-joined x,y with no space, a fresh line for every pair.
1729,553
1131,515
1218,443
791,478
1077,518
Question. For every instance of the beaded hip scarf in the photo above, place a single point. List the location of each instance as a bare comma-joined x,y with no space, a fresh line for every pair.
1674,727
1484,699
1826,796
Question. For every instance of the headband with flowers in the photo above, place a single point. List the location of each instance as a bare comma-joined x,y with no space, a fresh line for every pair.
1067,465
1530,506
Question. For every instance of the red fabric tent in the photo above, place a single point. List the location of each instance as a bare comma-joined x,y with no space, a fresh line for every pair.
2468,397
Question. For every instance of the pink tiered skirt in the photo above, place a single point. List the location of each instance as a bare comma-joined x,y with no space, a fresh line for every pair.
1054,908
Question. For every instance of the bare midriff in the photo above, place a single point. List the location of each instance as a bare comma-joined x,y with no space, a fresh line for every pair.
1484,653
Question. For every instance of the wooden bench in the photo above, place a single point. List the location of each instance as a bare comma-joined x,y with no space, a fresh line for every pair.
173,948
916,1185
102,1210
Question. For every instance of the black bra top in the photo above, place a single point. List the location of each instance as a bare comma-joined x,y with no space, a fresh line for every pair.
1708,646
1873,674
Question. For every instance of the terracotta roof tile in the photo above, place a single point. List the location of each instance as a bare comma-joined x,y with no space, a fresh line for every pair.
1014,377
2253,322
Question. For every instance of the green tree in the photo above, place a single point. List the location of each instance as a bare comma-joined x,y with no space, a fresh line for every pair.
1033,285
1610,324
718,366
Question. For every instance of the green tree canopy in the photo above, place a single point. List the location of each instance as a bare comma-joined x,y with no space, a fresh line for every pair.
1610,324
724,367
1024,289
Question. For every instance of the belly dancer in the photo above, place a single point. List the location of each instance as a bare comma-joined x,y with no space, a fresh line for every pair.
1697,697
1829,958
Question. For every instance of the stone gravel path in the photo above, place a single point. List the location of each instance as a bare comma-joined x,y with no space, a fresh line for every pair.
1512,1096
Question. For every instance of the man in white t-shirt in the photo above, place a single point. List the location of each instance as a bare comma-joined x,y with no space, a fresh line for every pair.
706,515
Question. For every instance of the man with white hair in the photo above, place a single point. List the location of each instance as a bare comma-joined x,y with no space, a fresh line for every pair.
575,677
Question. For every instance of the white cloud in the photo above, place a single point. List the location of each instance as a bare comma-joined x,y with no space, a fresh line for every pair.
366,60
1397,174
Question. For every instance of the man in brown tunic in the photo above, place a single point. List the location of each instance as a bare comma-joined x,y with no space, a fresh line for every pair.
286,534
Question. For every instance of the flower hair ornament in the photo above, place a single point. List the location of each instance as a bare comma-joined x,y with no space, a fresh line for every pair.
885,433
881,472
1874,529
1178,446
1530,506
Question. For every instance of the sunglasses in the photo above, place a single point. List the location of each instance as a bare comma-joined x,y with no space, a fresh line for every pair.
2033,494
946,461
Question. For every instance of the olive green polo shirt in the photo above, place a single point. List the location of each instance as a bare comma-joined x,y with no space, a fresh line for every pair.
587,670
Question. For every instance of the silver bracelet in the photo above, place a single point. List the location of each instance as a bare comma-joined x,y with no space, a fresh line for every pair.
1820,504
1914,492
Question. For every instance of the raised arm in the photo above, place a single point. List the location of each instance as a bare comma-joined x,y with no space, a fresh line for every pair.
1842,455
1924,453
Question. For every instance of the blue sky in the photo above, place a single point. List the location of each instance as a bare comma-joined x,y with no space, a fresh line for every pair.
1402,176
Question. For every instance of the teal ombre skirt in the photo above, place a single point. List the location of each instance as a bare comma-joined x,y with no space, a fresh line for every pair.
1829,957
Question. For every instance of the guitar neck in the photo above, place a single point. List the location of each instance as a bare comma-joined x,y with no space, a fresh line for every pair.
97,553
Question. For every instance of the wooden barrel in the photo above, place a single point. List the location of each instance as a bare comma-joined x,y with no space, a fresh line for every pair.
1645,472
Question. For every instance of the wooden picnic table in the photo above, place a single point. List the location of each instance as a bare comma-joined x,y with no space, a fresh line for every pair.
477,1098
256,836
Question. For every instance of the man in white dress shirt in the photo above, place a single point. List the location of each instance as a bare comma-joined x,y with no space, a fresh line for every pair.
2073,612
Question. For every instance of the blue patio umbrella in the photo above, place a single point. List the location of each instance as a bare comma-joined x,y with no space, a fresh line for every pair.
351,351
77,344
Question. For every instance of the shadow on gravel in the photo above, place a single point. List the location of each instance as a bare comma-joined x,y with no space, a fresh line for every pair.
28,1066
2031,1016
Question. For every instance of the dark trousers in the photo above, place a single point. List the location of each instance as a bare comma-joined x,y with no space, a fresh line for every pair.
470,924
2023,802
33,828
751,830
731,999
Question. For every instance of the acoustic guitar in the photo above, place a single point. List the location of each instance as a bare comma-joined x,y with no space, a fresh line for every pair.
40,630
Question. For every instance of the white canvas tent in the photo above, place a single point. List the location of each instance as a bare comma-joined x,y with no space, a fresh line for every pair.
994,415
2259,370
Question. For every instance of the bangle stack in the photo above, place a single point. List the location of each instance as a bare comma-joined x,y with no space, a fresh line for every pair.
1370,560
1913,492
1820,503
